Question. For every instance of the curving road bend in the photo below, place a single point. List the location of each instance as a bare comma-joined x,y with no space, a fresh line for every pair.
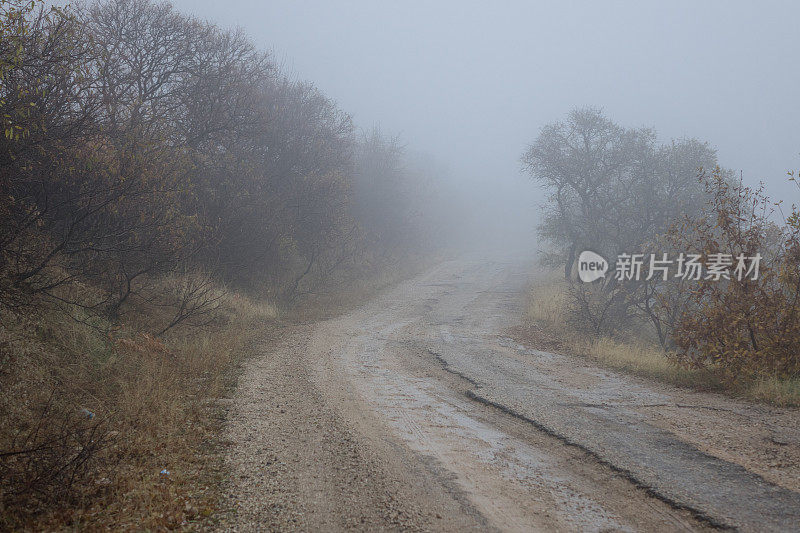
418,411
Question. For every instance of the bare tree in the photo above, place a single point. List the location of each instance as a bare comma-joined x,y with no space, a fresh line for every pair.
612,190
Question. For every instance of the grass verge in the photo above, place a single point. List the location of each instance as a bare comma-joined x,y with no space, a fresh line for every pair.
545,326
115,428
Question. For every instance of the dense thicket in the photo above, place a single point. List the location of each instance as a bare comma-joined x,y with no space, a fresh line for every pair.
141,141
748,324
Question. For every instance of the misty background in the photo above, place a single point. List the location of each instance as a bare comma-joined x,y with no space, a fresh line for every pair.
473,83
176,201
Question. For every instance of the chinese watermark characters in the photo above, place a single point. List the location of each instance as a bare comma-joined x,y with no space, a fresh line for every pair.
684,266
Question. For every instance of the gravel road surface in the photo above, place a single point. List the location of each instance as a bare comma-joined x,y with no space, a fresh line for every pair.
418,411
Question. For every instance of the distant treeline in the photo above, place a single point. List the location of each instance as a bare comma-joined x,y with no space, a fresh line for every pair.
139,142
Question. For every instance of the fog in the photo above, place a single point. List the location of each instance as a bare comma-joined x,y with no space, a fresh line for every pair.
473,83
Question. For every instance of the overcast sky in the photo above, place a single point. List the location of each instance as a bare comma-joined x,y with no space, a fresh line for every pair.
473,82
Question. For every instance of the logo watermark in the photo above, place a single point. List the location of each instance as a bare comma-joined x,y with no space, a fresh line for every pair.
692,267
591,266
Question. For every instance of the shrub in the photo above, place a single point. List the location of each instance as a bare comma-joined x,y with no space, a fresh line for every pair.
749,325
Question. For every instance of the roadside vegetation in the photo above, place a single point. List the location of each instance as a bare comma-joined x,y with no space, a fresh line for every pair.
546,326
166,194
616,191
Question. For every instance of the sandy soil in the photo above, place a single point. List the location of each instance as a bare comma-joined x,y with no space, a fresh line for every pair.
418,412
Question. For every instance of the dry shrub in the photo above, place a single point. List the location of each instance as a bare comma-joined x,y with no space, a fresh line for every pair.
47,442
550,325
93,414
569,307
742,327
597,309
188,296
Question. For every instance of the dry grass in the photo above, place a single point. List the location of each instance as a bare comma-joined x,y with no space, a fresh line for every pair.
785,392
647,360
99,413
547,302
547,327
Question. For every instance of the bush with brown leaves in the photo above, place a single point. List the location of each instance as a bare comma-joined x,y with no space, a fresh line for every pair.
749,326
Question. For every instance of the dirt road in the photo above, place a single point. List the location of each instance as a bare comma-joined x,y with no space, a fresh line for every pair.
418,412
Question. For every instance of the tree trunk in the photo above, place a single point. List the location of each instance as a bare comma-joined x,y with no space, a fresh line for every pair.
570,262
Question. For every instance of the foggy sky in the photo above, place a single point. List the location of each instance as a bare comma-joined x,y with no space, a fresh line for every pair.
473,82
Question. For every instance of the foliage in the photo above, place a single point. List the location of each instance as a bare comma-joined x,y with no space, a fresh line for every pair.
742,326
